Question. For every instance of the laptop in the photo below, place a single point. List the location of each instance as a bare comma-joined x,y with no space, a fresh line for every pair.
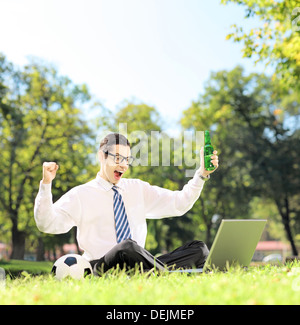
234,244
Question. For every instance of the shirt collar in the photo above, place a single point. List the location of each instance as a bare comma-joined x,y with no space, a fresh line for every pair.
107,185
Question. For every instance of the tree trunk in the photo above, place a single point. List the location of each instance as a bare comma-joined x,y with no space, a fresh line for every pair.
285,216
208,234
40,254
289,235
18,243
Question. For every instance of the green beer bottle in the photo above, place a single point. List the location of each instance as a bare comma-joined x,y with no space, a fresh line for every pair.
208,151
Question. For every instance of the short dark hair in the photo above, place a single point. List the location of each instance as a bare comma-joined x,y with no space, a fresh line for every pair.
113,139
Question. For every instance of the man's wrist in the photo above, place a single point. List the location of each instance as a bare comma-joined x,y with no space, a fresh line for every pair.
46,182
204,177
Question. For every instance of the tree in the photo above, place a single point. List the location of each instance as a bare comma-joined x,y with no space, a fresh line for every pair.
39,121
276,41
258,149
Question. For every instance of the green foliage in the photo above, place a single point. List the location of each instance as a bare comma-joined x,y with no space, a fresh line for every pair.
257,147
277,41
40,120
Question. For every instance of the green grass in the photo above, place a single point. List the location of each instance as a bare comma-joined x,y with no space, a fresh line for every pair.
14,268
258,285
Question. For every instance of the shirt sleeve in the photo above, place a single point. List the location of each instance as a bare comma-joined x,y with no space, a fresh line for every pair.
58,217
160,202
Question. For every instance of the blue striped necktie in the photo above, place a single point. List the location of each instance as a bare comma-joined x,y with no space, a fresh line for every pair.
121,221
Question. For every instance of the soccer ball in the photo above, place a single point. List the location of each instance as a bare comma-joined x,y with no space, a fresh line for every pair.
72,265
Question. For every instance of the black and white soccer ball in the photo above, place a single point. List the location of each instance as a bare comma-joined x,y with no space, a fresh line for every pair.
71,265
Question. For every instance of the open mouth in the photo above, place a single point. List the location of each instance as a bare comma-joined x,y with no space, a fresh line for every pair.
118,174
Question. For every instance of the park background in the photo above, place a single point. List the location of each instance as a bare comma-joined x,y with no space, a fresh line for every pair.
70,70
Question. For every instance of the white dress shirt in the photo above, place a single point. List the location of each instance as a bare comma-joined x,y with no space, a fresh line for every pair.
90,208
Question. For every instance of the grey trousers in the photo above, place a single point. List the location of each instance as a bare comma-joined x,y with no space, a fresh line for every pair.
128,254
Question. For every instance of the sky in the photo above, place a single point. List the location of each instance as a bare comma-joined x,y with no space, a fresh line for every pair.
159,52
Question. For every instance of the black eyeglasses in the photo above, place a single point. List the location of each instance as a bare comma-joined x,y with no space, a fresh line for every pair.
118,159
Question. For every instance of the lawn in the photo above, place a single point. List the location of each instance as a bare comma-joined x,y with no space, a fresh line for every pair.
14,268
258,285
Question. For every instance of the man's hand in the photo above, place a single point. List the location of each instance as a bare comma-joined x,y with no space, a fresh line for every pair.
214,160
49,172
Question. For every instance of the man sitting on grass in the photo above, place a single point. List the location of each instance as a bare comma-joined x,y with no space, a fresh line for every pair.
110,212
